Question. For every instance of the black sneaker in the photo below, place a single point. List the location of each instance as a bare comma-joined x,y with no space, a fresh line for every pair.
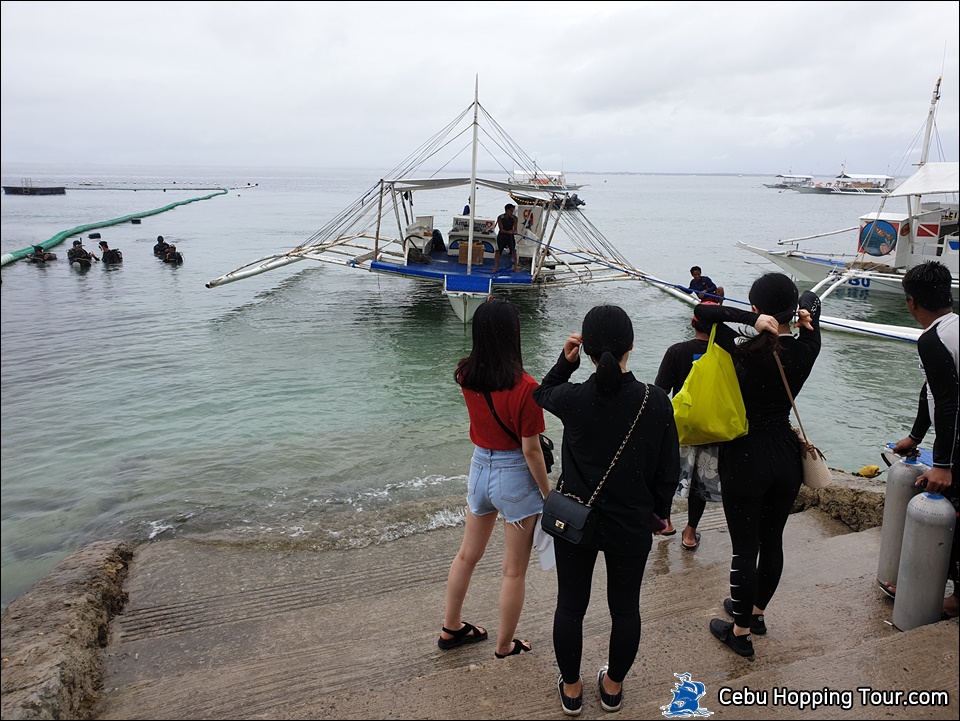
609,701
757,625
570,706
723,630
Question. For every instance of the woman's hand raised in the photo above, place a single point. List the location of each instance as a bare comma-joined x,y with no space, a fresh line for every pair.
571,349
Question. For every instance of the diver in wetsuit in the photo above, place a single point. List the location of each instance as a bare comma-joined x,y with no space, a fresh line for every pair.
160,249
172,256
110,255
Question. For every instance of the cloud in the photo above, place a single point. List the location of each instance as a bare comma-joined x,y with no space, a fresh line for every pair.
593,86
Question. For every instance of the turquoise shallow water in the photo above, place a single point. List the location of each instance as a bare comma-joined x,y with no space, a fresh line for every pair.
315,404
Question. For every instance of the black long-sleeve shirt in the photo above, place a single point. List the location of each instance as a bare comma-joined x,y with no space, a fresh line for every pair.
645,476
764,396
938,350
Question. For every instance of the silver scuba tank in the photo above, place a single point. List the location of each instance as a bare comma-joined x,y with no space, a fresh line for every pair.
900,491
924,561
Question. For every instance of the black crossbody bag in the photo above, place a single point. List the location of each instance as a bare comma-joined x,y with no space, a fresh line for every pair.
565,515
546,445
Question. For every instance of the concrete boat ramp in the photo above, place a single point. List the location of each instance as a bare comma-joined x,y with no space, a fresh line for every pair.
205,629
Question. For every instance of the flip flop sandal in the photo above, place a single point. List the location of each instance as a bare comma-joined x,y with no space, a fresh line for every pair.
468,634
694,546
518,648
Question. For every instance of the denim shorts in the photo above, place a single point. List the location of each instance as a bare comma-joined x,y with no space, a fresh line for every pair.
501,481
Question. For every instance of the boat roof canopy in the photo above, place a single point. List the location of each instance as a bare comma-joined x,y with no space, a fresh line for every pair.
860,176
436,183
796,177
931,179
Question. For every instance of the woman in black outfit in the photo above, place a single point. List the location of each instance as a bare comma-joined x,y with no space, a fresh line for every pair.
597,415
761,472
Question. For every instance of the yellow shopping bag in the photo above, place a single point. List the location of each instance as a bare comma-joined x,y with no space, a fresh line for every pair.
709,407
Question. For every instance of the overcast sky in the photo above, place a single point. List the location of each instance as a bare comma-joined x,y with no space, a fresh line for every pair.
753,87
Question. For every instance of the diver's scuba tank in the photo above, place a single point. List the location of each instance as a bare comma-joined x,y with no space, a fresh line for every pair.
924,561
900,491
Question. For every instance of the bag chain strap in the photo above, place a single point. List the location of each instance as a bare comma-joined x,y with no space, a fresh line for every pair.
623,445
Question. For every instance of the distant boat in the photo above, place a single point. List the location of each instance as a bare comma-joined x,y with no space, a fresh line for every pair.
27,187
887,243
786,181
850,184
537,179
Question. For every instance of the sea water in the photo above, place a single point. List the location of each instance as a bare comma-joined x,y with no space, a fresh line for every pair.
314,405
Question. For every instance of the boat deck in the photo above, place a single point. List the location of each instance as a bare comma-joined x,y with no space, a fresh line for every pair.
442,265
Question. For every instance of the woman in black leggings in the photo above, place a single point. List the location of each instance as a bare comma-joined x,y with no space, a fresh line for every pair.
597,416
761,472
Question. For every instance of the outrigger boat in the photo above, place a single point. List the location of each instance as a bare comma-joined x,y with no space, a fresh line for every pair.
888,243
850,184
788,181
380,233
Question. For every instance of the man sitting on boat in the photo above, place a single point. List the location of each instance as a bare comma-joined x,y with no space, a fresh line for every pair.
705,288
507,237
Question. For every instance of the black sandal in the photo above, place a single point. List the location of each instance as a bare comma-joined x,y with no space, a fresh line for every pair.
468,634
518,648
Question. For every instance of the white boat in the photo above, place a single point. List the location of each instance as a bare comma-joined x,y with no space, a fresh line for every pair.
381,233
788,181
850,184
541,179
887,242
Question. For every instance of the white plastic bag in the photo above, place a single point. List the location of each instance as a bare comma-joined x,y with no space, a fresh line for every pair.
543,542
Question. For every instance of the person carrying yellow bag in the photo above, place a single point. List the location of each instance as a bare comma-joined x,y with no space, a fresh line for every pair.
709,407
761,471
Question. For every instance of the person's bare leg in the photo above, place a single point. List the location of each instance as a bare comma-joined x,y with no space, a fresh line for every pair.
496,260
518,542
476,535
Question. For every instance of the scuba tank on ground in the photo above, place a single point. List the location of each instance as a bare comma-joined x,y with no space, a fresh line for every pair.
900,491
924,561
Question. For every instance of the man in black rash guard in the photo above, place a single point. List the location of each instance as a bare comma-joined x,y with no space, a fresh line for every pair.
930,302
697,463
761,472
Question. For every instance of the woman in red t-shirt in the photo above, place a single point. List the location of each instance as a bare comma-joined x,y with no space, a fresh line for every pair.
507,477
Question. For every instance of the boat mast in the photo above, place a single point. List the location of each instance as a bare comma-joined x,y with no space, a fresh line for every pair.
473,177
930,117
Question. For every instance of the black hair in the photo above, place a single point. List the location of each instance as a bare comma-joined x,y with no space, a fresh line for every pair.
696,267
607,335
773,294
495,361
928,284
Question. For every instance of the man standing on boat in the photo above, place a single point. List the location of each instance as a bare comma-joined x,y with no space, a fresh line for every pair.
507,237
705,288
